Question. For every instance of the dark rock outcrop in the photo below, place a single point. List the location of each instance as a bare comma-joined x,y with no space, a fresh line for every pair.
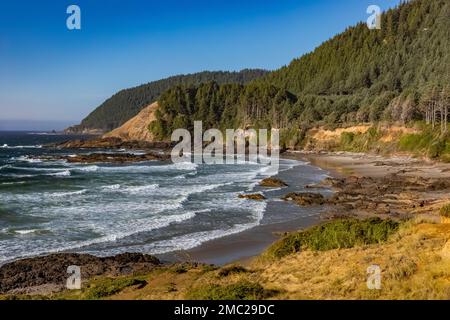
51,271
305,198
273,183
256,196
113,157
393,195
111,143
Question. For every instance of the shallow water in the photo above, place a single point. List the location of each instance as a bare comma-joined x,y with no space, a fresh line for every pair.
105,209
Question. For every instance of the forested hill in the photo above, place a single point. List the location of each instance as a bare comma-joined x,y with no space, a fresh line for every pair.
127,103
407,52
360,75
366,75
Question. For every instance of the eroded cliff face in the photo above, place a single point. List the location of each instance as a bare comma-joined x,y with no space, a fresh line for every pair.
136,129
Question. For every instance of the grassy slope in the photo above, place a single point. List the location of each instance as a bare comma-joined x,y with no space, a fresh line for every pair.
415,263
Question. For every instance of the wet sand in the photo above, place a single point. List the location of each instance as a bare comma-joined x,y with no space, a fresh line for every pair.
341,164
250,243
280,217
357,186
242,246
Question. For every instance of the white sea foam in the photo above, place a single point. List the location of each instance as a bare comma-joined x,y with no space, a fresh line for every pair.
151,224
111,187
112,217
66,194
185,166
193,240
5,146
38,169
137,227
92,168
64,173
23,232
12,183
14,175
130,189
27,159
140,189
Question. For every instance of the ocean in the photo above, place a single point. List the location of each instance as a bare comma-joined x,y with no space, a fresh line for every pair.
153,207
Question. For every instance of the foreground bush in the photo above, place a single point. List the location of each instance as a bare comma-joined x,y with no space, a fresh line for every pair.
445,211
429,142
335,235
108,287
242,290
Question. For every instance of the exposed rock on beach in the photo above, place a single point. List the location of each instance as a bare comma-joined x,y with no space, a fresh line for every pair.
49,273
272,183
305,198
256,196
111,143
113,157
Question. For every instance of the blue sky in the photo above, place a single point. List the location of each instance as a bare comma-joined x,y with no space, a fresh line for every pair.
50,73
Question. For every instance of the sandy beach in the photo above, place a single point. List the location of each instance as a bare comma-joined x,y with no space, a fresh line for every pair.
353,185
280,217
240,247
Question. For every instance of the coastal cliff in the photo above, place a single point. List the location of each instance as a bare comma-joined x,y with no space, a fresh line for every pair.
136,129
381,214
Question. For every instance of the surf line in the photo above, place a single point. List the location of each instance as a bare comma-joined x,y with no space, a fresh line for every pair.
236,145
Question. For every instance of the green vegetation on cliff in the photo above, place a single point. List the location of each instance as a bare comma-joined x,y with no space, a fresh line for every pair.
226,106
127,103
367,75
337,234
422,141
396,74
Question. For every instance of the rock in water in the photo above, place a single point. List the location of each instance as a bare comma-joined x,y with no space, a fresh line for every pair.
256,196
273,183
305,199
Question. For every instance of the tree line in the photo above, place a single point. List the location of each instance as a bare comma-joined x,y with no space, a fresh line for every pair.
127,103
396,74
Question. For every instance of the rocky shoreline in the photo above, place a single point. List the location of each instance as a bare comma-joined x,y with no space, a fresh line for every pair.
48,274
364,186
112,157
398,187
392,196
111,143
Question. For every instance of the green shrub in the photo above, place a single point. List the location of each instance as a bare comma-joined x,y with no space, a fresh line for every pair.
242,290
180,268
209,268
428,142
108,287
233,269
347,138
345,233
360,142
445,211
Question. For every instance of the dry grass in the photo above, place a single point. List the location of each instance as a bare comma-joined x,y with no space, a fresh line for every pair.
415,264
